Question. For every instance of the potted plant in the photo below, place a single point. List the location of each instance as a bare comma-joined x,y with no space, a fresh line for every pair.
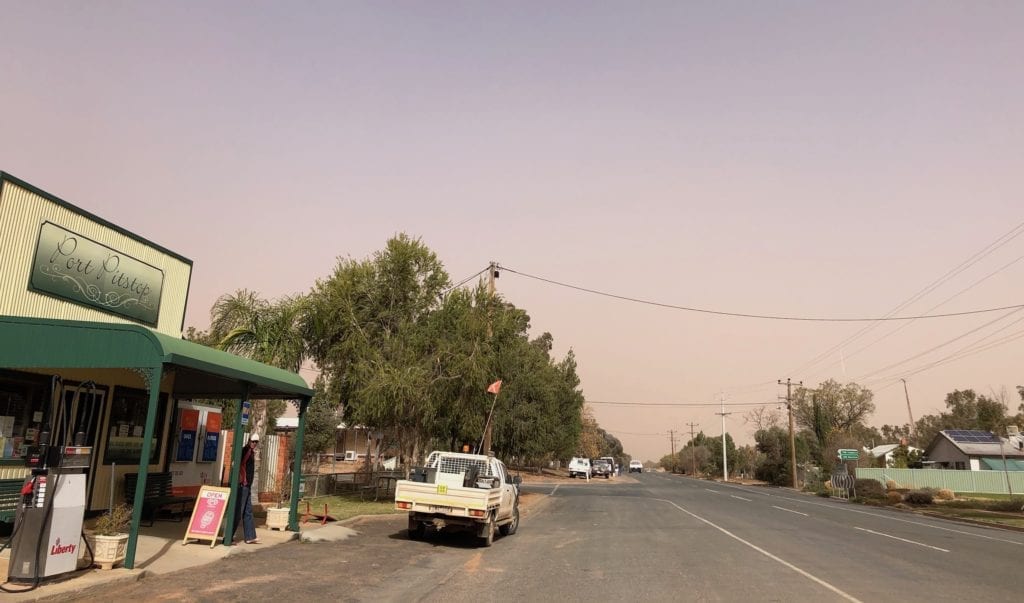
277,517
109,537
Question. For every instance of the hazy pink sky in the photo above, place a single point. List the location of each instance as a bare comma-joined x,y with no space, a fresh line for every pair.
797,158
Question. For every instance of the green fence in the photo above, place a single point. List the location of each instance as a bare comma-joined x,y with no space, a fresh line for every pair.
988,482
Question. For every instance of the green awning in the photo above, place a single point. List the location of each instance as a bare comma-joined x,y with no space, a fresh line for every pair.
200,372
997,464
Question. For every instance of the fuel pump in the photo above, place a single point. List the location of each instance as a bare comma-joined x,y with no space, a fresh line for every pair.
48,519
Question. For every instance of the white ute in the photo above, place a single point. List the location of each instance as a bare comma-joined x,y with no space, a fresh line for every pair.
462,491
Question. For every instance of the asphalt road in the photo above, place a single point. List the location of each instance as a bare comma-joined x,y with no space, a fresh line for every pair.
652,537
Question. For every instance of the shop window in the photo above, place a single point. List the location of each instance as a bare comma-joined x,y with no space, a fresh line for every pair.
128,409
23,401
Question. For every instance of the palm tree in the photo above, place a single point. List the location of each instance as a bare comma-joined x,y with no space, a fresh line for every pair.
244,323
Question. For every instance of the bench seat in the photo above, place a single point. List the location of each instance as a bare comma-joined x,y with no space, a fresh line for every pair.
159,496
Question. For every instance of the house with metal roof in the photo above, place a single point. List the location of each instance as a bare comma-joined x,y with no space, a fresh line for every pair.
884,455
974,450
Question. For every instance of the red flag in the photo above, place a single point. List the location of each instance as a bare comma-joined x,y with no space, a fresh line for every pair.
494,388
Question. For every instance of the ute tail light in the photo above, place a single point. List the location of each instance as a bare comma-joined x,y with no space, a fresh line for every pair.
476,513
403,505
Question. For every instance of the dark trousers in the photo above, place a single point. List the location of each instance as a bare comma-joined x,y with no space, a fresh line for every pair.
243,512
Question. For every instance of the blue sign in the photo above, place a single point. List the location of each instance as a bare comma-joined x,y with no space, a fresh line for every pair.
210,445
245,412
186,446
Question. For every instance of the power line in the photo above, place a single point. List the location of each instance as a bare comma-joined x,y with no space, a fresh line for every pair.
465,280
759,316
978,256
680,404
938,305
970,349
936,347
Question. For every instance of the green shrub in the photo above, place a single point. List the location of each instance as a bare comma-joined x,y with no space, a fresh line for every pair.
919,497
1010,505
869,488
893,498
824,493
114,521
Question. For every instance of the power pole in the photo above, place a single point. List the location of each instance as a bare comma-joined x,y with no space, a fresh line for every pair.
672,438
492,273
909,412
792,438
725,460
693,451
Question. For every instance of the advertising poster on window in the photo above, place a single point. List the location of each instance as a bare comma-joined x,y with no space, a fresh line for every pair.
188,430
208,514
211,440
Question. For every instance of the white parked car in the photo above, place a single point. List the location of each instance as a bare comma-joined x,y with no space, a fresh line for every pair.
579,467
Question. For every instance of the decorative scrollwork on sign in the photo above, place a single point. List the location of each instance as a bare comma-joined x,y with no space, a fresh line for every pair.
110,299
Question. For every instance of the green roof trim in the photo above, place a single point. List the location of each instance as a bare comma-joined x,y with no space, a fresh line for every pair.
41,343
997,464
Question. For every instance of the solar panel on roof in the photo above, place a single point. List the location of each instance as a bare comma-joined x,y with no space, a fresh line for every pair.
971,436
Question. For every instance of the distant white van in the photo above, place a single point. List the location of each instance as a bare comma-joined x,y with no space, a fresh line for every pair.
579,466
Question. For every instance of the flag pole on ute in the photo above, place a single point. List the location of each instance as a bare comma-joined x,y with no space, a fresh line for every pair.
485,441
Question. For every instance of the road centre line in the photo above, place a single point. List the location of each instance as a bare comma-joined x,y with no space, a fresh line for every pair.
903,539
791,511
710,490
796,569
741,498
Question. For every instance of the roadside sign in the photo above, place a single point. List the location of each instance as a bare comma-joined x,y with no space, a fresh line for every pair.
245,412
848,454
207,514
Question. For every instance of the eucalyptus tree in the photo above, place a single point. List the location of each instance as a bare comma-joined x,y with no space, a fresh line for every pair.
368,331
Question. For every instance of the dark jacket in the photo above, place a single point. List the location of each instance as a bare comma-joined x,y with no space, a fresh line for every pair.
248,467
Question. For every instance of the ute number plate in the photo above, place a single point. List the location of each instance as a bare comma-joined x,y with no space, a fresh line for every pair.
442,489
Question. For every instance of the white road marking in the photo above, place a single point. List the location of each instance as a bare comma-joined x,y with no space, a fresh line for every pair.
710,490
903,539
791,511
555,490
916,523
741,498
796,569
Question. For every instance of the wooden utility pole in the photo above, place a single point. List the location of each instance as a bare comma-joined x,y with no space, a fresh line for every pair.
693,451
909,412
492,273
725,459
672,438
792,438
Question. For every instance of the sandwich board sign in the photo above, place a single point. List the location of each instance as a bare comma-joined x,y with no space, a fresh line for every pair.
208,514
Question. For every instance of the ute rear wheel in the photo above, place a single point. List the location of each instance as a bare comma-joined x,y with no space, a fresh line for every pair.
488,532
511,527
416,529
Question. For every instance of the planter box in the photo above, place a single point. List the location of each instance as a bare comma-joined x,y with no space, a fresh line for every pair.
108,551
277,518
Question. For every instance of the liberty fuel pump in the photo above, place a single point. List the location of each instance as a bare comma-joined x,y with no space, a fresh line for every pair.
48,520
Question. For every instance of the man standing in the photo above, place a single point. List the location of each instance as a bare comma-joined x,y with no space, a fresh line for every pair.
243,506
